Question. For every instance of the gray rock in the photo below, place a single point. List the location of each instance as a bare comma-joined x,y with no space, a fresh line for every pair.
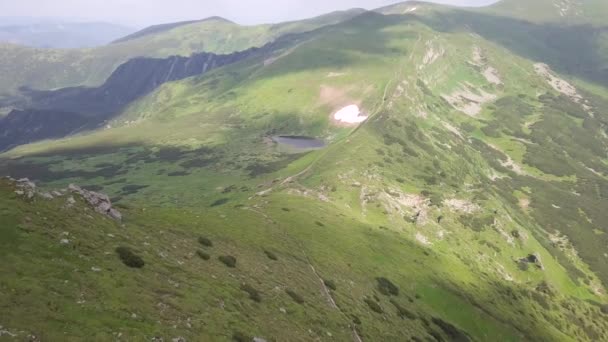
47,195
100,202
259,339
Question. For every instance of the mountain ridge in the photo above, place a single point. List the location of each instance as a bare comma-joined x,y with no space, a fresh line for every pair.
465,201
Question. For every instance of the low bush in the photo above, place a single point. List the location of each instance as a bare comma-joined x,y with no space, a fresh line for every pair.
296,297
373,305
403,312
205,242
330,284
220,202
240,337
271,255
228,260
129,258
203,255
253,293
386,287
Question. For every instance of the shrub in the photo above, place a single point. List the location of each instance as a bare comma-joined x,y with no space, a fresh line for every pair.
604,309
253,293
523,265
403,312
296,297
203,255
219,202
320,224
129,258
205,242
240,337
330,284
228,260
271,255
386,287
373,305
453,332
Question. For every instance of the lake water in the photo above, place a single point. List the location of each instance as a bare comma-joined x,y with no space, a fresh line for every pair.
299,142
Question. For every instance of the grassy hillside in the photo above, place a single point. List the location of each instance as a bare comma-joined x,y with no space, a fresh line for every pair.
470,206
563,11
57,68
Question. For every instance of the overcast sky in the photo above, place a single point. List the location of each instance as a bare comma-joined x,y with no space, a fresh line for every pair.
147,12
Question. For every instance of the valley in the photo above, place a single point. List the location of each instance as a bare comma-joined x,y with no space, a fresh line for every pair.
417,172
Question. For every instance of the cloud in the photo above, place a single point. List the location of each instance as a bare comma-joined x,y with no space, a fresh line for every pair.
147,12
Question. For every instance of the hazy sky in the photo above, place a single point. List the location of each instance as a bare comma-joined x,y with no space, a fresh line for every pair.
147,12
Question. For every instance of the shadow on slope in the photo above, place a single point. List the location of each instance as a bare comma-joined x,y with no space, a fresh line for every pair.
576,50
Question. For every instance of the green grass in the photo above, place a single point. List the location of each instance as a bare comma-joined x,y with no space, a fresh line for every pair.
357,221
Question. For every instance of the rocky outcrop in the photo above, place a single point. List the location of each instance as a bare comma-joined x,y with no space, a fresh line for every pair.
99,202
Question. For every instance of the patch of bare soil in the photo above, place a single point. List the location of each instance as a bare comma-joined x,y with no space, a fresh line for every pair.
562,86
461,205
469,99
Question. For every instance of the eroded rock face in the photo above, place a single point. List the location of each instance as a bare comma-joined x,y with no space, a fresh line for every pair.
26,188
100,202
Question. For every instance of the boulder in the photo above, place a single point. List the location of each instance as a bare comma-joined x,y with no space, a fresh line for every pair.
100,202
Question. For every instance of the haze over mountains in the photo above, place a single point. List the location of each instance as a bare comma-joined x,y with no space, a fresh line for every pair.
418,172
58,34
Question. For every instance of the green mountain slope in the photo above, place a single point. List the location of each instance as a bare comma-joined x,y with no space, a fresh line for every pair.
564,11
57,68
470,206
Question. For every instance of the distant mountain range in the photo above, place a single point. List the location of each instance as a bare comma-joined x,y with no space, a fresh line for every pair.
59,34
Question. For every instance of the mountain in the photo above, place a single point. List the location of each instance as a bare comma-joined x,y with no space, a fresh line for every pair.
47,69
572,12
418,172
61,34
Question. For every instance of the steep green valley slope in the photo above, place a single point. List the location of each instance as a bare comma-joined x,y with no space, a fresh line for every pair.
469,206
46,69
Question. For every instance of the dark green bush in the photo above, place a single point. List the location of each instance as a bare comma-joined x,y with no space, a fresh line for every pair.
386,287
240,337
253,293
129,258
604,309
296,297
523,265
403,312
203,255
271,255
330,284
228,260
205,242
373,305
453,332
219,202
